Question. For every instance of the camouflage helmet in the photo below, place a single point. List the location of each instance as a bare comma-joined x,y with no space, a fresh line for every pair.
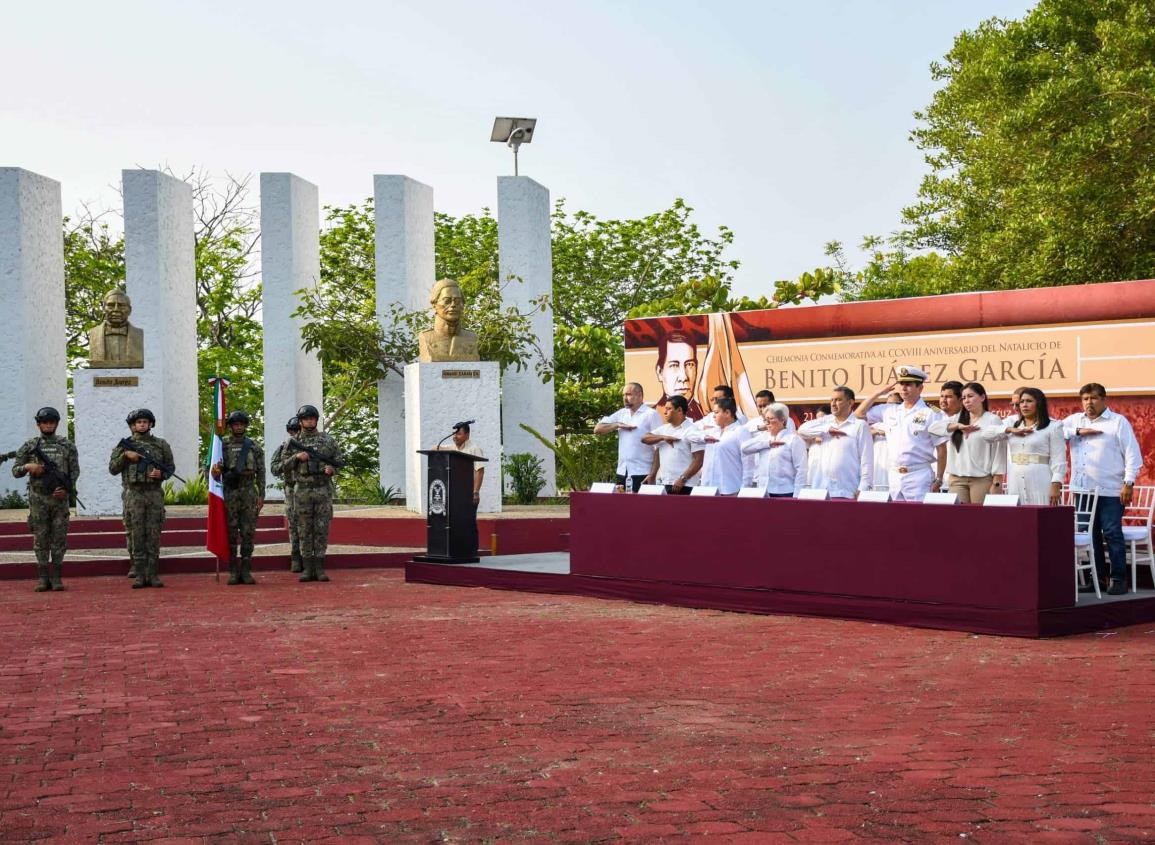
237,417
141,414
308,412
47,414
293,424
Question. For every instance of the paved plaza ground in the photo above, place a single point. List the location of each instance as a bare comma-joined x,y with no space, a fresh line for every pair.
368,710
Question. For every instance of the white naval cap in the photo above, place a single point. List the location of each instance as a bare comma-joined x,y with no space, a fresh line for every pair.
913,374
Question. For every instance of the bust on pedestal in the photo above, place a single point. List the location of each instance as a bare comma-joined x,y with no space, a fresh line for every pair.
449,383
113,384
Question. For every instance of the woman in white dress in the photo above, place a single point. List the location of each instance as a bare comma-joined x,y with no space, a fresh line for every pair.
1036,452
974,456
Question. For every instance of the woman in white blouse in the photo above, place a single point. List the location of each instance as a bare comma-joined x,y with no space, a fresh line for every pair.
974,458
781,454
1036,452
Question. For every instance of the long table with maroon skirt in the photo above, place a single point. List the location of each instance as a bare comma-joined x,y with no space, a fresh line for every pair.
1004,570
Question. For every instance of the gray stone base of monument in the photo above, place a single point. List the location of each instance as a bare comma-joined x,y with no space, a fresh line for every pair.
439,395
103,399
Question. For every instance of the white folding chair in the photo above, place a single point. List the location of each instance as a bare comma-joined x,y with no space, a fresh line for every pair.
1085,503
1137,531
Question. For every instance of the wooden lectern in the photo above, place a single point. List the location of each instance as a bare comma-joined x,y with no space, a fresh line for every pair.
450,517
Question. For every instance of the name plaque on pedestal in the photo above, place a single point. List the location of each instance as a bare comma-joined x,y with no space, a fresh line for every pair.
461,373
116,381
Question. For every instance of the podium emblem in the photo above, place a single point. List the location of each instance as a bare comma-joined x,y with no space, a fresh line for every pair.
437,497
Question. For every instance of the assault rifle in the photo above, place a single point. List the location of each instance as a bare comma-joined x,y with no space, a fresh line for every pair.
315,457
146,458
54,473
6,456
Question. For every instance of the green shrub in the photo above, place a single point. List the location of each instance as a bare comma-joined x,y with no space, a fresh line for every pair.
365,489
582,459
13,500
524,476
196,492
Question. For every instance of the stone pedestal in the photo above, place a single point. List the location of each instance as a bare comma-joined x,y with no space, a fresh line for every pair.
161,269
103,399
438,395
32,334
403,211
526,251
290,261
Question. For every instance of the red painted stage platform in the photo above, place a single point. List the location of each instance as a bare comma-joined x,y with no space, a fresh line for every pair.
988,570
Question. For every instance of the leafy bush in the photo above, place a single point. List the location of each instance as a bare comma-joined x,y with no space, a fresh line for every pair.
13,500
524,476
582,459
364,489
196,492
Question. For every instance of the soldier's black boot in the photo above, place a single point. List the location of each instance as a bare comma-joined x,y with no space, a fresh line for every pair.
234,575
132,569
319,569
140,567
55,572
247,571
295,563
310,569
42,585
154,573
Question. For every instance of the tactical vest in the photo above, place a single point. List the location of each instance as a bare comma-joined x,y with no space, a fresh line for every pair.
56,450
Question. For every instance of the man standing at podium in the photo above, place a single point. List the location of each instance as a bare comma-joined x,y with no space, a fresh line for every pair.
462,443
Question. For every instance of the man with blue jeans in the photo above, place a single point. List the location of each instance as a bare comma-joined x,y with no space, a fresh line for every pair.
1105,456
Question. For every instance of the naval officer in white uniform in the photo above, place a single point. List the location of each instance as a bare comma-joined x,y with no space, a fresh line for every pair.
917,457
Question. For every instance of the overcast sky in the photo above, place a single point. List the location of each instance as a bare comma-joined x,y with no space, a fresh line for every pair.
786,121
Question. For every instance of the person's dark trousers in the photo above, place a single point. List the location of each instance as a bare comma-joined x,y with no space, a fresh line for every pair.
635,482
1109,530
684,491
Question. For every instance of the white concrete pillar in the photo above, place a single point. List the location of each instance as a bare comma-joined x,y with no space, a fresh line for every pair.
290,261
33,339
525,251
160,262
403,209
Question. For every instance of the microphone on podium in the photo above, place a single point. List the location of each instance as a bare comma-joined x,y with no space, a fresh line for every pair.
457,425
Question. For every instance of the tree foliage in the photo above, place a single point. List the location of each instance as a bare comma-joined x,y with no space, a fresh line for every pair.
1041,142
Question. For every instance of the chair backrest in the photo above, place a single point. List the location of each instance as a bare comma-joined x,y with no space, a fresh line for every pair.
1142,507
1085,503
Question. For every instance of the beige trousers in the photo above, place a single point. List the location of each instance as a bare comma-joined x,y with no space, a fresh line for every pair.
971,489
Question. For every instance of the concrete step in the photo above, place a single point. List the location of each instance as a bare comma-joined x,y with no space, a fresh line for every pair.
99,525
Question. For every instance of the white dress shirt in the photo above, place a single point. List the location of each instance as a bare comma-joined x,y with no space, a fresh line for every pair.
844,465
674,458
782,468
729,472
634,456
981,453
1105,461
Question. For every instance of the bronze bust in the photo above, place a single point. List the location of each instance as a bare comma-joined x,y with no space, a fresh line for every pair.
447,340
116,343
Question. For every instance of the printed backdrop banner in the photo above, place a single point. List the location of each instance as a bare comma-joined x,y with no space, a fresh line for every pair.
1055,339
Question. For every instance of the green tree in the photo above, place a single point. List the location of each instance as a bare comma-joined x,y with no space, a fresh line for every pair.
1041,142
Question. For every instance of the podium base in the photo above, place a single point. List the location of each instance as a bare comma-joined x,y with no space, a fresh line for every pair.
444,559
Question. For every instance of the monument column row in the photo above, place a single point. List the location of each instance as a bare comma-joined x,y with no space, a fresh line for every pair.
154,363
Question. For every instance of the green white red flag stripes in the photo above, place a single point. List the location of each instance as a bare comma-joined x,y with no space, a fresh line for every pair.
217,541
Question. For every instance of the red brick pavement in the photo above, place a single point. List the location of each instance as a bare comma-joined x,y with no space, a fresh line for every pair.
367,710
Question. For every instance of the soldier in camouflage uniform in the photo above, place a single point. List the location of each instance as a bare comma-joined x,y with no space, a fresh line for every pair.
313,496
241,472
49,492
276,466
143,496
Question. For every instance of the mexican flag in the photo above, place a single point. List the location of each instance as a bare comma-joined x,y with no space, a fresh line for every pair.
218,528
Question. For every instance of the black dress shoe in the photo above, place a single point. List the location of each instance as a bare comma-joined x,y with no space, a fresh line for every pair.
1117,588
